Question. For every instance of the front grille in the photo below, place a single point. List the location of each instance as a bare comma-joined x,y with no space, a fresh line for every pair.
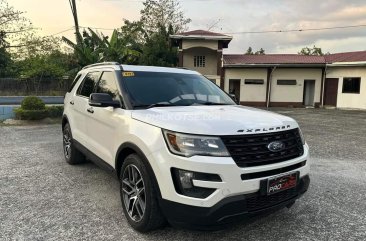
252,150
257,202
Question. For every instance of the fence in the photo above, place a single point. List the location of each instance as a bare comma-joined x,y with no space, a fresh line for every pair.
38,87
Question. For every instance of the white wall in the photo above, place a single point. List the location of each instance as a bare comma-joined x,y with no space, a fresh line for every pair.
294,93
250,93
211,60
211,44
347,100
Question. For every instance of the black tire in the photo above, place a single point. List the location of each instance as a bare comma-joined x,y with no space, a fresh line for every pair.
152,217
72,155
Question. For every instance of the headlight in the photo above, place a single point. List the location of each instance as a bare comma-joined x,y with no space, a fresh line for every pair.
302,136
190,145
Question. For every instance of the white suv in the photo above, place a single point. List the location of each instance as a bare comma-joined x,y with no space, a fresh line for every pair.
183,150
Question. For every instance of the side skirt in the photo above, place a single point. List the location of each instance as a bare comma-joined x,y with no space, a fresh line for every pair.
92,157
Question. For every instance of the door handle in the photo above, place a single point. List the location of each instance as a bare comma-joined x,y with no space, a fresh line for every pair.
72,102
90,110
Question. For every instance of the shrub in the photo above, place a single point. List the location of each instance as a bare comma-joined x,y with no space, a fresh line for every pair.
22,114
54,111
32,108
33,103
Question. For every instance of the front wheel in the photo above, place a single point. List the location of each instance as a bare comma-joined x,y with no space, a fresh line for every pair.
139,197
72,155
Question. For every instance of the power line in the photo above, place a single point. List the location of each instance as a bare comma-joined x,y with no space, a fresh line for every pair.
98,28
245,32
63,31
298,30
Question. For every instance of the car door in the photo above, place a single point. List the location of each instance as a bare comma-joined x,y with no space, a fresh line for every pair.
80,103
105,121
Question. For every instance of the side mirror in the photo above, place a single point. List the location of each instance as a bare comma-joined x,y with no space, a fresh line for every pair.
234,98
102,100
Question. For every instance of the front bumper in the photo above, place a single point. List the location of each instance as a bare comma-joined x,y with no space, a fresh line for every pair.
232,184
231,209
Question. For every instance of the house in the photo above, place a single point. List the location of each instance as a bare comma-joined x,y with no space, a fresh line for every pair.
276,80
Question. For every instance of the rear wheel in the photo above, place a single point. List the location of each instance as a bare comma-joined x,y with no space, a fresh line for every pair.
139,197
72,155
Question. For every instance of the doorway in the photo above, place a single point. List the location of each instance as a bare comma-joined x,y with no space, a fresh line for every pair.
309,92
234,88
330,91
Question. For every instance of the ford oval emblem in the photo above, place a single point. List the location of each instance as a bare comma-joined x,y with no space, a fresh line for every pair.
276,146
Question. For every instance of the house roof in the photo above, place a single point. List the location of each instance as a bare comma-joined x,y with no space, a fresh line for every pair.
358,56
201,34
272,59
292,59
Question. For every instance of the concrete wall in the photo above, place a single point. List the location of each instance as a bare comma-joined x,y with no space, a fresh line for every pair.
8,103
248,93
6,112
17,100
211,60
348,100
294,93
211,44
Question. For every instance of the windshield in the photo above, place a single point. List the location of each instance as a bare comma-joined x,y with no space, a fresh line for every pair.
149,89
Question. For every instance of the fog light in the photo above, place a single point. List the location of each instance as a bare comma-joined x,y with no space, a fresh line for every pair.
186,178
183,183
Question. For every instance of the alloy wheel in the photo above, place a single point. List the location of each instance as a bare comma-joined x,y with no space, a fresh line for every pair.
133,193
67,144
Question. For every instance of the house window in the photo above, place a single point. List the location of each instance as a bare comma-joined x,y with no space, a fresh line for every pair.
286,82
199,61
351,85
254,81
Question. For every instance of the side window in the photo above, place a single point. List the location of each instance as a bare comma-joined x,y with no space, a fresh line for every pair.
77,78
107,84
87,87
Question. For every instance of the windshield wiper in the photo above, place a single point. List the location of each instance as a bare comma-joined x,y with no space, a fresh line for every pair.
153,105
213,103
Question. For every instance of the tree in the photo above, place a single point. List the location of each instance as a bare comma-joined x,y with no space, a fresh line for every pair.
13,26
163,13
311,51
134,34
261,51
249,51
94,47
158,51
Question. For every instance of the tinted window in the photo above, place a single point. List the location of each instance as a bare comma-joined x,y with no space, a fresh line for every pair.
74,82
87,87
351,85
107,84
146,88
286,82
254,81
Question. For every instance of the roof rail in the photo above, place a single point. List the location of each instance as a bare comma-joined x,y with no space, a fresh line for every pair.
101,64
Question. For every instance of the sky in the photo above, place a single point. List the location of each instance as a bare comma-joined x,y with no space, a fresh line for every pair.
224,16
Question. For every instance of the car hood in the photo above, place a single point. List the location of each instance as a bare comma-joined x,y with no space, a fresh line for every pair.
215,120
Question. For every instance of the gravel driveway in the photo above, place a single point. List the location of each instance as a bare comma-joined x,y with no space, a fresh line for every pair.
43,198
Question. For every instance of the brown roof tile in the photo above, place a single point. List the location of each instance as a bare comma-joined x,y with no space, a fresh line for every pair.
346,57
243,59
202,33
272,59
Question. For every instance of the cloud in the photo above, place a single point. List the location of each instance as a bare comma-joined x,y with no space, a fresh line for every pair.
296,14
236,16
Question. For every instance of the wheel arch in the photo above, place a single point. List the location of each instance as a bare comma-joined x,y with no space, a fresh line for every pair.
65,120
129,148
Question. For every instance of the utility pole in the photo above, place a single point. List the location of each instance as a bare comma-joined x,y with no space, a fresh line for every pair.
76,21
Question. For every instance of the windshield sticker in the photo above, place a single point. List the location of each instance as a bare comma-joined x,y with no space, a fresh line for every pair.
128,74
